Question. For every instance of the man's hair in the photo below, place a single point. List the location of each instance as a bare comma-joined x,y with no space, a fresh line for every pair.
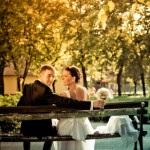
47,67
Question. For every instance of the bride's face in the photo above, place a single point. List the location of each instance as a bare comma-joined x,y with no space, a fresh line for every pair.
68,78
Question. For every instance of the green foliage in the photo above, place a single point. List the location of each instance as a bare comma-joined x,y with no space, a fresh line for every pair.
95,35
10,100
9,126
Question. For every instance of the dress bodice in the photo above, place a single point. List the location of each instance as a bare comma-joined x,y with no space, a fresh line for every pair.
85,97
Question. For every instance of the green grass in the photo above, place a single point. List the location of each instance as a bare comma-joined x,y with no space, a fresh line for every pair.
126,98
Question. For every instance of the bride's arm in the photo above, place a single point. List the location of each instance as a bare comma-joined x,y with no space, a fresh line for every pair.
86,95
63,94
83,94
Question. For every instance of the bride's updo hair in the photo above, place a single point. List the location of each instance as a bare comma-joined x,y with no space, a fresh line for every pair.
75,72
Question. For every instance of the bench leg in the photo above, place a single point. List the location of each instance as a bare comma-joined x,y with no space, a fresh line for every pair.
47,145
141,142
135,146
26,145
136,127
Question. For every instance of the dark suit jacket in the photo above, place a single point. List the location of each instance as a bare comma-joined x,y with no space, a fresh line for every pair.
36,94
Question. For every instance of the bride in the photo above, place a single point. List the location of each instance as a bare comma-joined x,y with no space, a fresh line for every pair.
78,128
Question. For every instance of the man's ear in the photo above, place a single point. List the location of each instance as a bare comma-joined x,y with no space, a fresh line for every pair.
40,74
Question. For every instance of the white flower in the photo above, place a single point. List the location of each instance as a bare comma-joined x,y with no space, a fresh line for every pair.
104,93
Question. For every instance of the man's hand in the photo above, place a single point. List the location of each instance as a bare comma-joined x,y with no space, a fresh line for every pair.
98,104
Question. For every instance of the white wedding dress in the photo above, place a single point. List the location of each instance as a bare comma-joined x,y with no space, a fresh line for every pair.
122,125
78,128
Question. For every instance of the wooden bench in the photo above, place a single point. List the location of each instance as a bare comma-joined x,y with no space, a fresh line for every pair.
46,112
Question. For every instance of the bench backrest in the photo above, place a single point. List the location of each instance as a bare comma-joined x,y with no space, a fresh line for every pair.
47,112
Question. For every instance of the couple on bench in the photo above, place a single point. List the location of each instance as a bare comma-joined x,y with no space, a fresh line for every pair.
76,96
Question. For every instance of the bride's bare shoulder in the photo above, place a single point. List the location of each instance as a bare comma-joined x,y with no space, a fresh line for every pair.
81,88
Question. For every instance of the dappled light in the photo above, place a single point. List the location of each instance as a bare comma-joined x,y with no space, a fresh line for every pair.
108,40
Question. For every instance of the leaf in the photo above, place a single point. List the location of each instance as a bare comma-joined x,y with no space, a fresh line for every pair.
134,6
106,8
111,6
141,1
104,18
102,12
103,21
104,26
148,3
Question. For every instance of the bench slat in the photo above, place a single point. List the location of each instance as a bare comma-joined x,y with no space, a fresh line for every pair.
118,105
48,108
20,138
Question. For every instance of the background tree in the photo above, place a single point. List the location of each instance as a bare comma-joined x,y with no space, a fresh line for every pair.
32,39
100,37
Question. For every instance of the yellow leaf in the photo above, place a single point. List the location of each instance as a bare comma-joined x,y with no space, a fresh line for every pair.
103,18
97,22
101,13
111,5
134,6
141,1
148,3
104,26
106,8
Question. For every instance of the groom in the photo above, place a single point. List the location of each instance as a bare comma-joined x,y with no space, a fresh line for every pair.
39,93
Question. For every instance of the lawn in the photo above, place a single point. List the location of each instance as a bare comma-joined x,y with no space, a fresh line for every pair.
126,98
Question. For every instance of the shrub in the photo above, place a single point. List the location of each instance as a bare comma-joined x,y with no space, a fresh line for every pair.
9,100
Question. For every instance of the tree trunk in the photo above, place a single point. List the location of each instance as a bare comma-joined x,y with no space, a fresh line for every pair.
17,73
119,76
143,84
135,85
1,78
18,84
25,73
84,77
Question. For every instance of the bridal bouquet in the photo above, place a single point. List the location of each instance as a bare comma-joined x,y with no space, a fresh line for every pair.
104,93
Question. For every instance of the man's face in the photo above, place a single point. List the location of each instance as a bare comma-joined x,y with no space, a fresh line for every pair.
47,77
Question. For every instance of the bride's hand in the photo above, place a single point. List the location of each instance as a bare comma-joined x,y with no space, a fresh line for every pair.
98,104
